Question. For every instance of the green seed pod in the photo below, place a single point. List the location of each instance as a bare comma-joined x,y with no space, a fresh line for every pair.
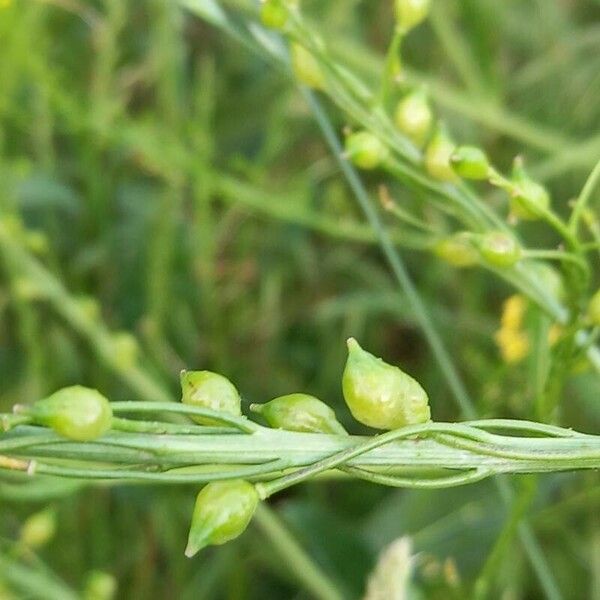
409,13
457,250
413,117
593,310
206,389
76,412
274,14
437,156
366,150
528,199
470,162
306,68
299,412
499,249
380,395
222,512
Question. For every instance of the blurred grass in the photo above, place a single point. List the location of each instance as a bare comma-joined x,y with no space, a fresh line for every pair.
185,196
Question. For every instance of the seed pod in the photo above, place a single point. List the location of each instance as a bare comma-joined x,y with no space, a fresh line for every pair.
437,156
306,67
299,412
593,311
470,162
528,199
206,389
366,150
413,117
499,249
457,250
76,412
222,512
274,14
409,13
380,395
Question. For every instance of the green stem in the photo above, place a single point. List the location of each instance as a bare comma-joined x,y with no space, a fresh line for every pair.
584,198
296,558
518,509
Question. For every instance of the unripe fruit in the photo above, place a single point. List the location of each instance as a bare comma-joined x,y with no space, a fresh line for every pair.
306,67
528,199
206,389
499,249
76,412
299,412
413,117
470,162
457,250
366,150
222,512
437,157
380,395
409,13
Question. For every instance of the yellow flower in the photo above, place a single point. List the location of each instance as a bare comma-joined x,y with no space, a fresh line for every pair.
513,344
554,334
513,311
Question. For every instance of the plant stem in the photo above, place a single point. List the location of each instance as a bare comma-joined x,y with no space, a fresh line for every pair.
299,562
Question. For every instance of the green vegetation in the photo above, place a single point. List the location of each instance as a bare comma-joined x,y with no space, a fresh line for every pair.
229,190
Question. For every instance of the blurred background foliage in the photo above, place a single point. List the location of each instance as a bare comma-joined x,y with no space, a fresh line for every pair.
173,192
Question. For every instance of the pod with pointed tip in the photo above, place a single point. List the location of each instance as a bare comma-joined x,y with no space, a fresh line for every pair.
306,67
381,395
528,199
437,156
413,117
499,249
222,512
76,412
366,150
470,162
409,13
457,250
299,412
206,389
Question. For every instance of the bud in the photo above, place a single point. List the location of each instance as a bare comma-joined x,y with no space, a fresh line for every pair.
222,512
593,311
528,199
38,529
299,412
470,162
380,395
366,150
409,13
413,117
78,413
437,156
206,389
499,249
306,68
457,250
